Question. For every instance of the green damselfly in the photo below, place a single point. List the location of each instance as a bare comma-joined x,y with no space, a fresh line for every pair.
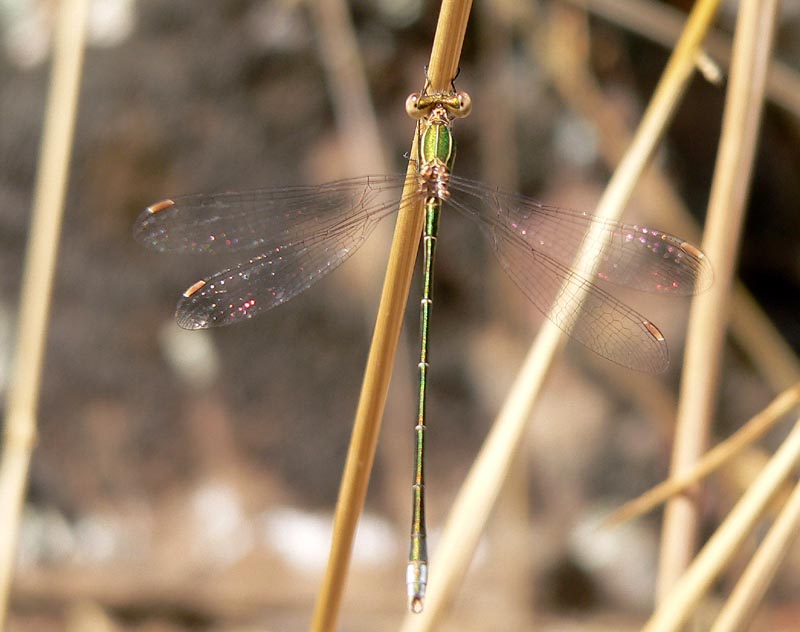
298,234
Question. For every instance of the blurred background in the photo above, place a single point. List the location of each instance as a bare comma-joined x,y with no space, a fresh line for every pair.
186,480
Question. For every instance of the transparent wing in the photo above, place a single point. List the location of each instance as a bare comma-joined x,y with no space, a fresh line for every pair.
575,305
300,235
630,255
269,279
263,219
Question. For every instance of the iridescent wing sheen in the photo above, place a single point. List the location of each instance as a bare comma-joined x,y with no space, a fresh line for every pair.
262,219
534,244
269,279
627,254
298,234
587,313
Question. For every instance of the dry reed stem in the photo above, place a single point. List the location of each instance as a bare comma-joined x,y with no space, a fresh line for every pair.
709,312
748,434
662,24
441,70
740,607
479,491
676,607
37,281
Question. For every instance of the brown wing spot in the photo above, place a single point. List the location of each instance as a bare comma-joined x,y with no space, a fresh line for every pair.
692,250
653,330
159,206
194,288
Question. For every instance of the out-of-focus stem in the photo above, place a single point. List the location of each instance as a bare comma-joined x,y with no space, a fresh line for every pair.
37,281
709,314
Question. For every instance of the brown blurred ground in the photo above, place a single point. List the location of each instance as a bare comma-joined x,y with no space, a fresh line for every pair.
152,489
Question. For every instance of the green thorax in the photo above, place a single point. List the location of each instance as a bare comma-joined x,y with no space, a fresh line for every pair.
437,144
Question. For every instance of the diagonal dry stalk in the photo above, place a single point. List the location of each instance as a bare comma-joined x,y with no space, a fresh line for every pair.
740,607
749,433
441,70
709,311
477,496
676,607
37,281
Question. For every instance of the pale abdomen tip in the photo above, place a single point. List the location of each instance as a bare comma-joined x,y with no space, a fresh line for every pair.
416,580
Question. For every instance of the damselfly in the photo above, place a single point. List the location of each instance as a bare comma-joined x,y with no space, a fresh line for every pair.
296,235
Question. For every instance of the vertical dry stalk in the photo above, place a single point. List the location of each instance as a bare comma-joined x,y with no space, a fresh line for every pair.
677,605
709,312
477,496
740,607
443,65
499,161
37,281
347,83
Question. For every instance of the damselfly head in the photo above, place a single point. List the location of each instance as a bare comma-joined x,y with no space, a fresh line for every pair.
451,105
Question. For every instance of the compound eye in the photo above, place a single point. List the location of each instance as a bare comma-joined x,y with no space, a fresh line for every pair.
464,105
412,106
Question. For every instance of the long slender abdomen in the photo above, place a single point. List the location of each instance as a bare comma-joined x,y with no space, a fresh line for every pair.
417,573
